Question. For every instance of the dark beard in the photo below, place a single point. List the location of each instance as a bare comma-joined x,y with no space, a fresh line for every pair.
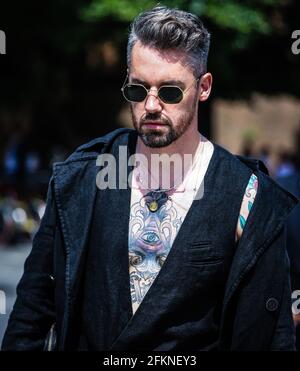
156,139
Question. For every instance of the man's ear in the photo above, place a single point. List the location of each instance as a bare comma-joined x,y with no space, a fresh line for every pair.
205,86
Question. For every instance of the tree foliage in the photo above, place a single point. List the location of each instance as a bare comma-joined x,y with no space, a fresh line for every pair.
245,18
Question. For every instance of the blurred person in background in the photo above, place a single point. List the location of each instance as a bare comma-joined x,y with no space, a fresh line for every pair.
286,165
162,267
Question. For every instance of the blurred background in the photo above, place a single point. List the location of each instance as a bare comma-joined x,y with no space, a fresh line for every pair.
60,85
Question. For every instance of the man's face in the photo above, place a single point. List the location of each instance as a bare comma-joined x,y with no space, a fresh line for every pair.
157,123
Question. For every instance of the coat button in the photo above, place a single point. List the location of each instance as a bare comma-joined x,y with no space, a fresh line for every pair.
272,304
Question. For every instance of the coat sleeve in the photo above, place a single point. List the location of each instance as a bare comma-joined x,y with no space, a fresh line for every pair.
34,311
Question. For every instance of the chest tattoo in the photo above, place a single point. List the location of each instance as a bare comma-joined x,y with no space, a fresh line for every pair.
151,235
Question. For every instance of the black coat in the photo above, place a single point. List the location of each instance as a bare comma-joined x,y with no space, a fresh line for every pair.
292,184
256,312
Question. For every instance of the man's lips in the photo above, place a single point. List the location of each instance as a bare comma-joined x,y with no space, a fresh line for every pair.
154,124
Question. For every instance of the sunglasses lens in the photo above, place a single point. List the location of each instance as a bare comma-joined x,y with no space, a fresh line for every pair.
134,93
170,94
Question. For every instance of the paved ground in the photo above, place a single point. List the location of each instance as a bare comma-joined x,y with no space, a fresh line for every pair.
11,268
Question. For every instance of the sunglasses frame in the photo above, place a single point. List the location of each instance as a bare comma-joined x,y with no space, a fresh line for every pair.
183,92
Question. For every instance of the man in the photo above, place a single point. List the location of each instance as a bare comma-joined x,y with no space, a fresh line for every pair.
165,264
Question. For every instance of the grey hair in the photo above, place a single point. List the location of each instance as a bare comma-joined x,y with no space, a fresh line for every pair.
171,29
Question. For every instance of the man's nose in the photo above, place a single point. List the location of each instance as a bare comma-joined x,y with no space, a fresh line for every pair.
153,104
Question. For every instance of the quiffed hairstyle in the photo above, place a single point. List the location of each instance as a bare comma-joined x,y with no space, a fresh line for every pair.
172,29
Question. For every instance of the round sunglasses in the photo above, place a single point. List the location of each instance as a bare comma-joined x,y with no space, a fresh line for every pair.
169,94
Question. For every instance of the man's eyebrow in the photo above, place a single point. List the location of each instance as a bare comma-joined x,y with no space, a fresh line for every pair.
174,82
138,81
165,82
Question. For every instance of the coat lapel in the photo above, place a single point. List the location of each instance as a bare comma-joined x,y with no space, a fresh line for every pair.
75,191
110,233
